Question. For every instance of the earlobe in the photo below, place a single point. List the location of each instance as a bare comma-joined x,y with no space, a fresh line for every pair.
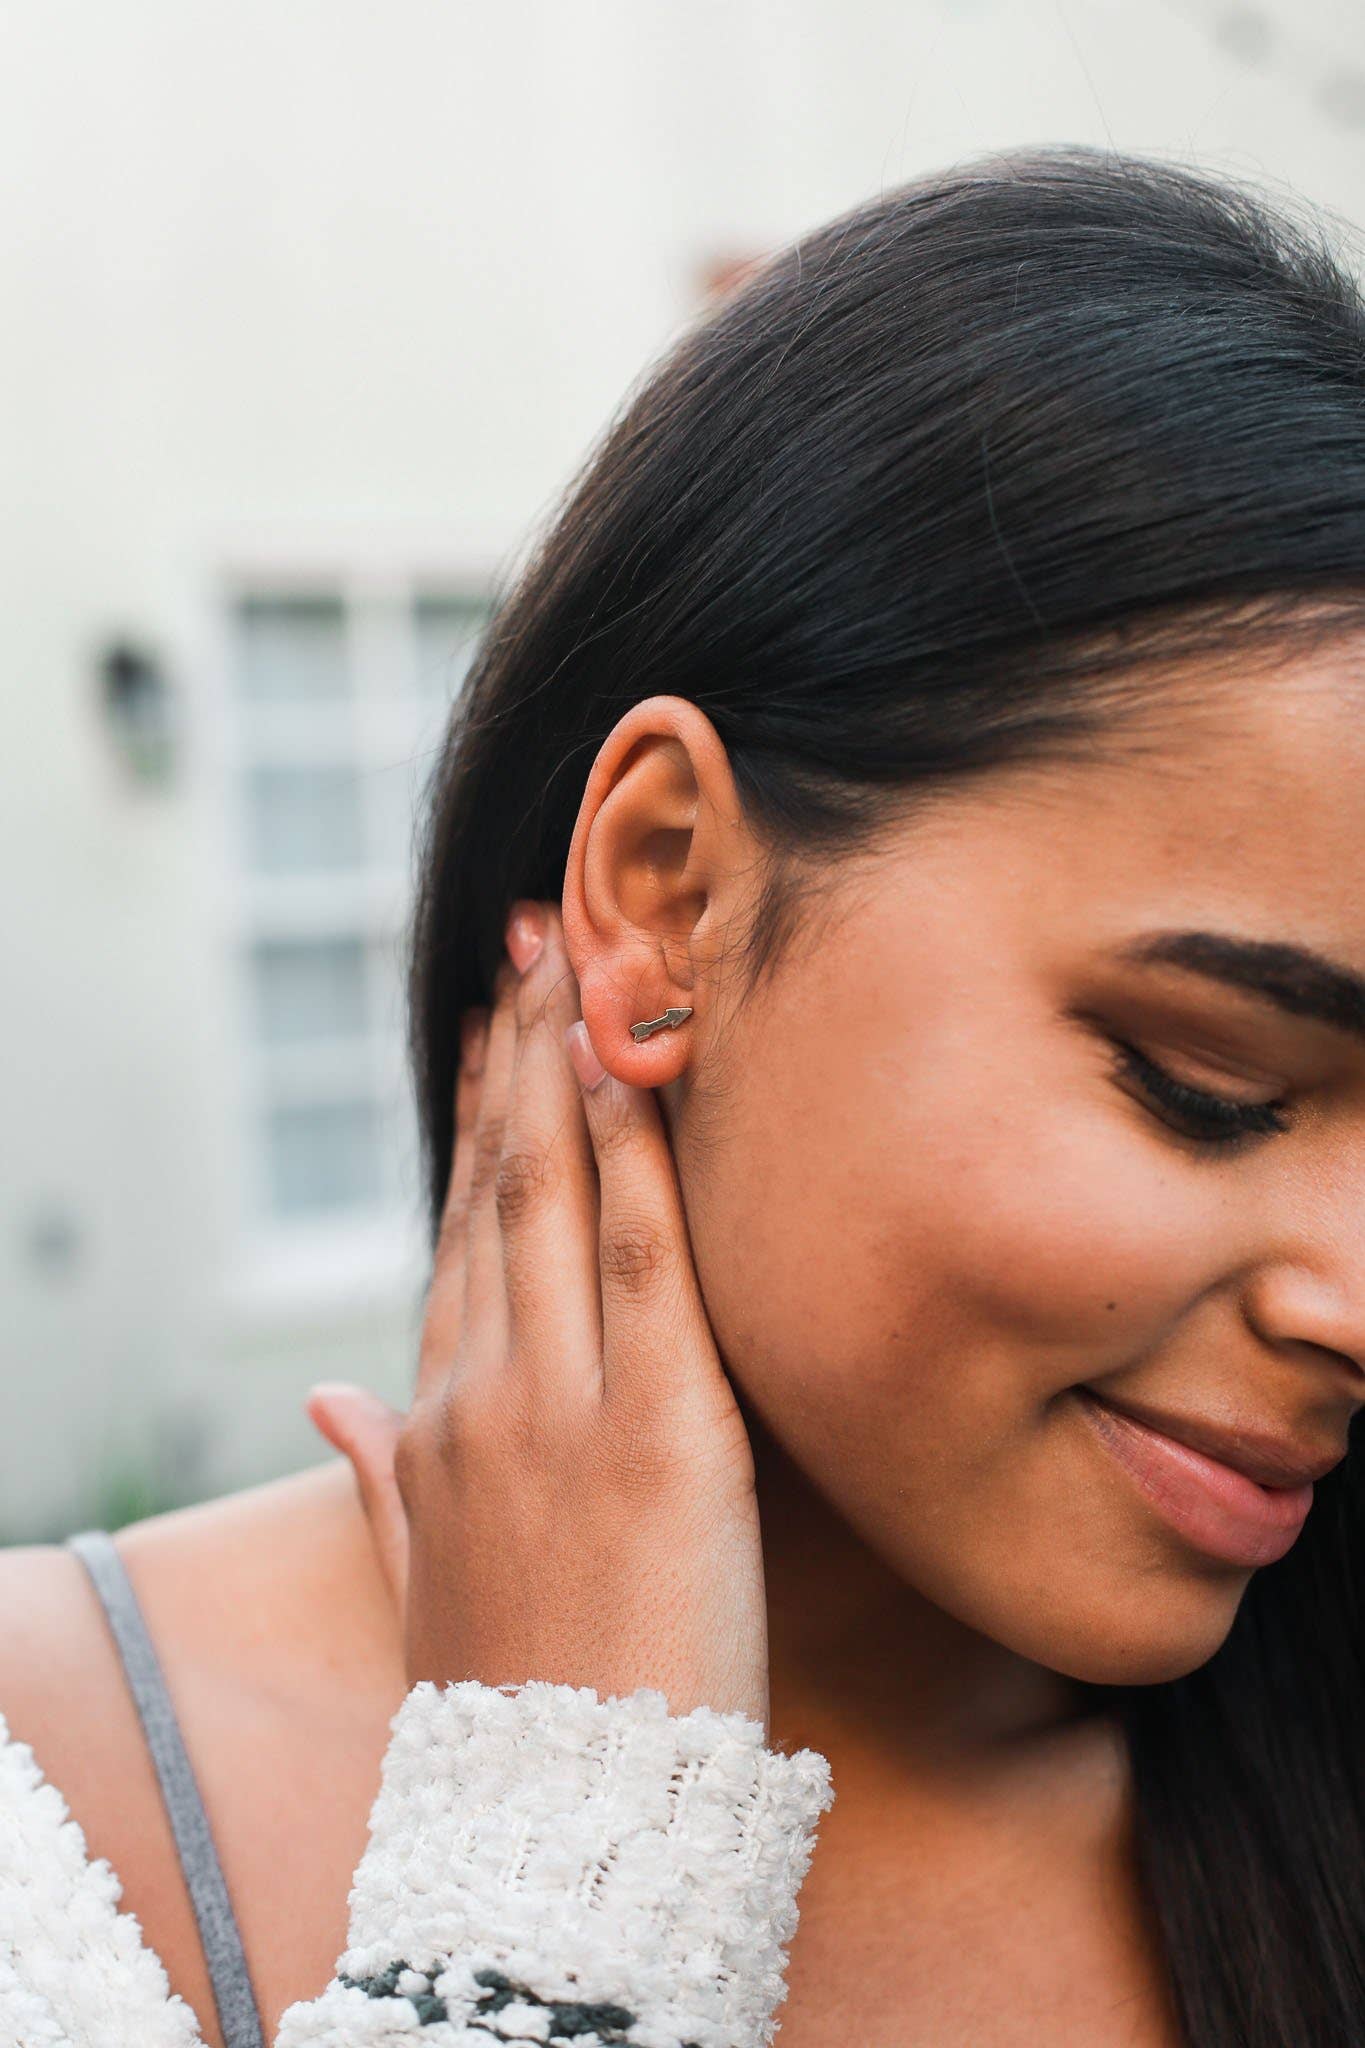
643,1051
636,1030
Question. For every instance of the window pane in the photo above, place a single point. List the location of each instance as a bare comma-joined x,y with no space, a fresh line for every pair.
323,1156
447,631
395,795
310,989
292,649
304,820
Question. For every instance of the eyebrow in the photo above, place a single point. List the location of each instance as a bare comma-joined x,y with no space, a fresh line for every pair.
1292,977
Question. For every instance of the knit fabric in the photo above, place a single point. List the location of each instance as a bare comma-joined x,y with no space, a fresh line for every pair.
548,1866
543,1866
74,1971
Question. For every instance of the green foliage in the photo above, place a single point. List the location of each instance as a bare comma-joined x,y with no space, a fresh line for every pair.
129,1493
127,1490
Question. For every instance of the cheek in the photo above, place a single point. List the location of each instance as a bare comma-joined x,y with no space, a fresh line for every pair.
918,1226
905,1273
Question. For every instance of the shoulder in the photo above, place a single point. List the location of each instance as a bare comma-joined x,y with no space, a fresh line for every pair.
58,1678
260,1595
46,1633
65,1703
78,1769
62,1690
283,1659
73,1965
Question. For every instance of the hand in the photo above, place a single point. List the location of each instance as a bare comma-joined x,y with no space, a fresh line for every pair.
571,1496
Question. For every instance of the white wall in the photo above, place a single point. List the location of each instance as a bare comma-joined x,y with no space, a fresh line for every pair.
301,283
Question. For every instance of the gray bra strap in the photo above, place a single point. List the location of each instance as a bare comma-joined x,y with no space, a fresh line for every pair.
218,1931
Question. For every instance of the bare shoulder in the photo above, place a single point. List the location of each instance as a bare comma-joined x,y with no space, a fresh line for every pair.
265,1590
274,1633
62,1692
56,1670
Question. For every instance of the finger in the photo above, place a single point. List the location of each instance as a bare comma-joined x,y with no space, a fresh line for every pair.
485,1297
365,1429
656,1337
545,1192
445,1303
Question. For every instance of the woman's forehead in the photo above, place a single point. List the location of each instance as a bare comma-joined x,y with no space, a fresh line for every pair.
1246,794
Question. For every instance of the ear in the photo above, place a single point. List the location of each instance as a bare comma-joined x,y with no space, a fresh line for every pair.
653,876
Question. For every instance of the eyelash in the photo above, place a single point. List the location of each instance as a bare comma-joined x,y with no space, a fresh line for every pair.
1216,1120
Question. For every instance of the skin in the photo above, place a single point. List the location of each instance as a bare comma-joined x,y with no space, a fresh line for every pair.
997,1218
909,1322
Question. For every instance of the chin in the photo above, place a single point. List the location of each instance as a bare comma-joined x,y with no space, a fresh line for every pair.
1163,1634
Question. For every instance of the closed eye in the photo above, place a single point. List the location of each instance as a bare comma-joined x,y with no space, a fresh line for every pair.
1193,1112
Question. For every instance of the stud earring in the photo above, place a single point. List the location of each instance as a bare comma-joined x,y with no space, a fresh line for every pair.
669,1018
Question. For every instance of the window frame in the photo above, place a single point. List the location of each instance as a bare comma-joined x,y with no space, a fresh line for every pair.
278,1265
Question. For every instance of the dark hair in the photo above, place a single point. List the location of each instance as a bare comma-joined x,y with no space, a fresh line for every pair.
934,490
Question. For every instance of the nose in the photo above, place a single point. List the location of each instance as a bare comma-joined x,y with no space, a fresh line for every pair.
1319,1308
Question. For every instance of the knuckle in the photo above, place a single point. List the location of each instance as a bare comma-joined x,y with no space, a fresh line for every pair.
521,1436
407,1462
522,1182
487,1153
636,1256
435,1441
464,1430
487,1429
452,1432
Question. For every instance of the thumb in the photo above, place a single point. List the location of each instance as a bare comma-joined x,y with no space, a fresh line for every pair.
365,1430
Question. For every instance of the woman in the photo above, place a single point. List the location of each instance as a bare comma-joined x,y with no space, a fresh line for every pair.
936,715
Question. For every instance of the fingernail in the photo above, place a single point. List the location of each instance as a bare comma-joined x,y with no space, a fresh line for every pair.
587,1066
525,934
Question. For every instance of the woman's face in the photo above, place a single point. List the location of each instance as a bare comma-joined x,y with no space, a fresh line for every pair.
931,1209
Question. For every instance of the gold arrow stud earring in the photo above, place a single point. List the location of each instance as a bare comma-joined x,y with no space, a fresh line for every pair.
669,1018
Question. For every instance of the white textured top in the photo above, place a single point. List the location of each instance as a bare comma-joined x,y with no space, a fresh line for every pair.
543,1866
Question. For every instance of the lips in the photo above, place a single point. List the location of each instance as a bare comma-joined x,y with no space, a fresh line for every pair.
1220,1509
1271,1460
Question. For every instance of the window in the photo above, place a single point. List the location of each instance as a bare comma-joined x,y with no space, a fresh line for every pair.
339,697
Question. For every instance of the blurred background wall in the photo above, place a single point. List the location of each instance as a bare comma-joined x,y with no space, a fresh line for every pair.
309,312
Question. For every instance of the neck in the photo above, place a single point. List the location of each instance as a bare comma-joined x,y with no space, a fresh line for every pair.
862,1661
861,1665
